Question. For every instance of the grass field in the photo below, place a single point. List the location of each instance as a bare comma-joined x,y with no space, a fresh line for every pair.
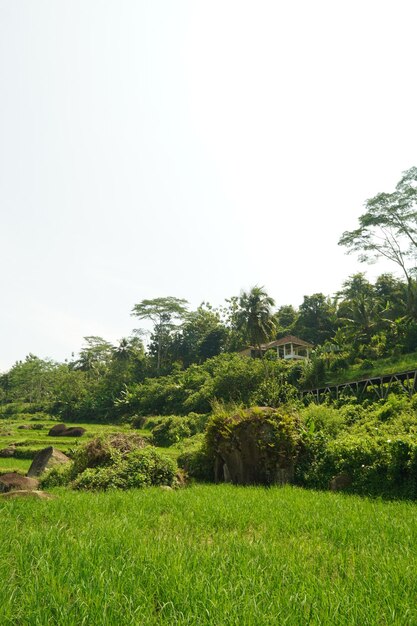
28,442
208,555
380,367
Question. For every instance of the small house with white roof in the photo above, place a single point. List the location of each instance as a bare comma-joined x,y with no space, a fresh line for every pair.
289,347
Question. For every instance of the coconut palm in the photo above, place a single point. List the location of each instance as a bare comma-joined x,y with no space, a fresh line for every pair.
255,316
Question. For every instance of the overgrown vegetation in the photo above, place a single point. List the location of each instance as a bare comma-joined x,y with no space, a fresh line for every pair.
116,462
194,362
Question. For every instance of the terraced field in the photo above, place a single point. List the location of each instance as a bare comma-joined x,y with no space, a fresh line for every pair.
29,441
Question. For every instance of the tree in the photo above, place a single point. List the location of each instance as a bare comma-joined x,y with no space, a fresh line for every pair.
30,380
162,312
255,316
95,356
391,293
388,229
235,338
286,317
200,337
359,310
316,319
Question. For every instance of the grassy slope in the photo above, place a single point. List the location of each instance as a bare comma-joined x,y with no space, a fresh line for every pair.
29,441
380,367
208,555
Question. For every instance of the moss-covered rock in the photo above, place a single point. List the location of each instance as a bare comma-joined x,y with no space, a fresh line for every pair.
254,446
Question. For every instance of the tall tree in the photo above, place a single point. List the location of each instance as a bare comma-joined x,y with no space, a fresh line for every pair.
30,380
95,356
388,229
255,316
201,336
316,319
286,317
359,310
162,312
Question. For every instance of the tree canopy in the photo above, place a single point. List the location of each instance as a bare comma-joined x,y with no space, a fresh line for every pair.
255,316
388,228
162,312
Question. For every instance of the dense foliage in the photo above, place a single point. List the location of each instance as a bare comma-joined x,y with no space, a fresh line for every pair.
115,462
192,357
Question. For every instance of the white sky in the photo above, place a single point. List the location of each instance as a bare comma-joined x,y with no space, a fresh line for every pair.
154,148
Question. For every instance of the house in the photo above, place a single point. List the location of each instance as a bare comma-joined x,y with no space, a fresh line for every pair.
289,347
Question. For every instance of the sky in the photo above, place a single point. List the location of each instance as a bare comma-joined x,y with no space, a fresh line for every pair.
190,149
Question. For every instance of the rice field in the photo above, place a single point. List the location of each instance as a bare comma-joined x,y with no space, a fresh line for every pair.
28,442
208,555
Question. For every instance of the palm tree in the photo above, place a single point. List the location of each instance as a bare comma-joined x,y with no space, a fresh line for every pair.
255,316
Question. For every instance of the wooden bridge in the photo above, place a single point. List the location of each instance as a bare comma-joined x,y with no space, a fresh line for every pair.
376,386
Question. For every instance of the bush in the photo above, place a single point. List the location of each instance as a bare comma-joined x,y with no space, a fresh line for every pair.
105,451
139,468
197,464
274,392
172,429
18,408
58,476
376,465
116,462
321,417
227,377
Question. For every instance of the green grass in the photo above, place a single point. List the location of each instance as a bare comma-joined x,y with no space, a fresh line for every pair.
14,465
30,441
380,367
208,555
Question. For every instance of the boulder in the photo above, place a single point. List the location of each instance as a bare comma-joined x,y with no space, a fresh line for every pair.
76,431
60,430
255,446
57,430
25,427
340,482
7,452
16,482
46,459
24,493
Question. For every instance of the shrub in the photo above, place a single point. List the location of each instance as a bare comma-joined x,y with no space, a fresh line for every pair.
139,468
321,417
18,408
227,377
197,464
105,451
274,392
58,476
376,465
118,461
169,430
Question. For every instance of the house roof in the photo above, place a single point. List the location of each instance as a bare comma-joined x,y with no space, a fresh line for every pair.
284,341
296,341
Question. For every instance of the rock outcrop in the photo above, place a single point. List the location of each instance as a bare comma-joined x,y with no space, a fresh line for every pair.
16,482
57,430
340,482
255,446
46,459
61,430
76,431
